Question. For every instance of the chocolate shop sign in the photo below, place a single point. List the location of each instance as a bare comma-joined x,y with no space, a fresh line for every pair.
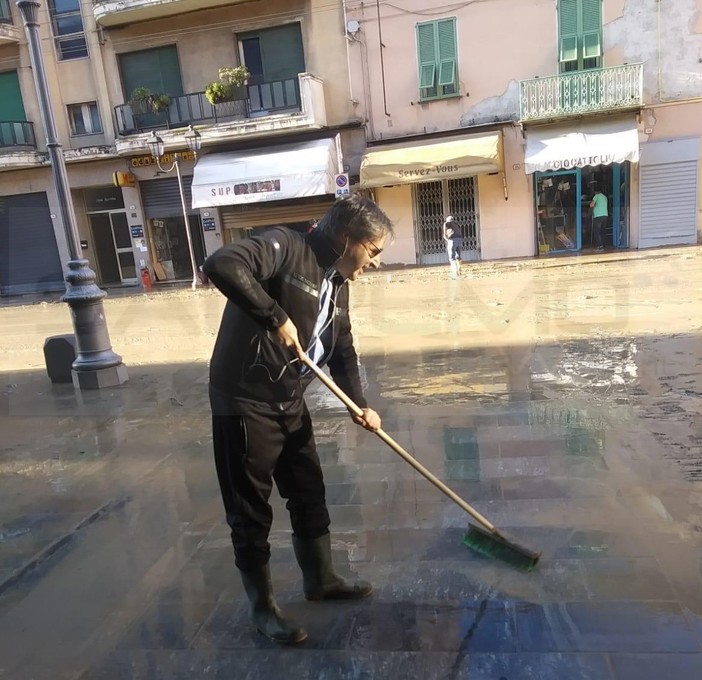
580,162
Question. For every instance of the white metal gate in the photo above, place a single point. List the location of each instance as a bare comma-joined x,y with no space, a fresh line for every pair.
668,204
433,201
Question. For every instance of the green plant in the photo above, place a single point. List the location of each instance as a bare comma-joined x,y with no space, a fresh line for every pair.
218,92
144,99
235,76
160,102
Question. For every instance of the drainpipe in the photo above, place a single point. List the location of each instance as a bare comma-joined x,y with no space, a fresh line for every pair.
347,39
382,60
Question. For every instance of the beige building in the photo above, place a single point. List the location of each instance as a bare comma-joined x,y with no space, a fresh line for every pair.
510,115
120,71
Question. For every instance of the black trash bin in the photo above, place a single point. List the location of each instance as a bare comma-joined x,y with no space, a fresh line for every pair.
59,354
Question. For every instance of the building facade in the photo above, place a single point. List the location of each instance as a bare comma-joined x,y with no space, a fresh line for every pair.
510,115
120,72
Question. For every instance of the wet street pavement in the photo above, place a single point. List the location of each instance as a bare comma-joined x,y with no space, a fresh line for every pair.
565,401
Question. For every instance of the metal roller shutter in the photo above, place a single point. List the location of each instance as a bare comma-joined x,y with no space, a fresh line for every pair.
668,204
240,217
161,197
29,257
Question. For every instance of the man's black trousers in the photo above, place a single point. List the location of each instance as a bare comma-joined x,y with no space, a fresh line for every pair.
253,446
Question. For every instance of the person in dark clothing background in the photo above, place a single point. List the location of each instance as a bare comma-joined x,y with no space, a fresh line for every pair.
287,294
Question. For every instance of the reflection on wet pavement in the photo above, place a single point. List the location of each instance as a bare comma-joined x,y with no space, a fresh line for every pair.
114,553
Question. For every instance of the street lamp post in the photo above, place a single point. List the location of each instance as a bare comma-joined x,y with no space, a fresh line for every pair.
157,147
96,365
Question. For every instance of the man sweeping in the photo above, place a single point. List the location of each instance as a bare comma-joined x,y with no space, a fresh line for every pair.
287,295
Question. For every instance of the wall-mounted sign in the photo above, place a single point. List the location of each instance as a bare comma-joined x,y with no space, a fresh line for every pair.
209,224
124,179
137,231
146,161
104,198
84,245
341,183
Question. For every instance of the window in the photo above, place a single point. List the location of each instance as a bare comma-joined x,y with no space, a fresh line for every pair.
84,118
67,24
5,14
274,57
438,63
11,105
580,34
156,69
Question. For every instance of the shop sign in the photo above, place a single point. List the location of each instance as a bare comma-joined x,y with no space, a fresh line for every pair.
146,161
103,198
209,224
581,162
246,188
432,171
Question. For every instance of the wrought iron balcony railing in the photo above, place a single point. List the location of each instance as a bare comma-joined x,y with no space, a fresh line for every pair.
571,94
17,134
259,100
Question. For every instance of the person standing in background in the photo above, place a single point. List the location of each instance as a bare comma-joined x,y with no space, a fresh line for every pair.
600,216
454,241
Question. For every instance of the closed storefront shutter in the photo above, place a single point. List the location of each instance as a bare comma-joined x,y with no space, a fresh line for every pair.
253,217
668,204
29,258
161,197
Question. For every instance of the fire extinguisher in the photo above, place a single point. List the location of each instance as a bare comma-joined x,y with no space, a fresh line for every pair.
146,279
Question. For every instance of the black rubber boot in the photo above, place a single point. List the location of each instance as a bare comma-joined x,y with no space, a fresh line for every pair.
319,581
265,614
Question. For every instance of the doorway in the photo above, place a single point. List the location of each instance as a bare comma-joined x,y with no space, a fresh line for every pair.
274,58
565,219
433,202
558,217
172,253
113,247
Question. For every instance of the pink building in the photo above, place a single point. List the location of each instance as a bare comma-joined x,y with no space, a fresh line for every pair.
510,115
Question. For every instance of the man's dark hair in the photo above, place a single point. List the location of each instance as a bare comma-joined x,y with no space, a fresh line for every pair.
359,216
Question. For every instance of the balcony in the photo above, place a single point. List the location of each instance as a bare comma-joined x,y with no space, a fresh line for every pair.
603,90
18,146
9,33
110,13
270,108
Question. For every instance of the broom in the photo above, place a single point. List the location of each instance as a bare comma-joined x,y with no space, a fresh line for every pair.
487,541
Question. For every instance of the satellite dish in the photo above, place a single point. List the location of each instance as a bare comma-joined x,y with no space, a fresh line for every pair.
353,26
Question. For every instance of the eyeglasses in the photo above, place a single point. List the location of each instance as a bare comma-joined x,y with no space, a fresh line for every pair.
375,252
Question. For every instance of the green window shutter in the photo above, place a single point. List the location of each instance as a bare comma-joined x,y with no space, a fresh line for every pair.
11,105
446,39
568,30
282,52
426,54
157,70
592,28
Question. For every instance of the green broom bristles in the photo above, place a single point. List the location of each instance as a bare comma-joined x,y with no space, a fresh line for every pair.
492,545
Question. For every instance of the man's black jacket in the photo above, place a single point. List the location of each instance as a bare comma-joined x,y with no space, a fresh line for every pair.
268,279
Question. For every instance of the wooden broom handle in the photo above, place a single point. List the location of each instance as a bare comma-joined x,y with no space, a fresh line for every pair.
356,410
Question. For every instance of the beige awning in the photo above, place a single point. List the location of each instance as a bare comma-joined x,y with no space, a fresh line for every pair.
446,159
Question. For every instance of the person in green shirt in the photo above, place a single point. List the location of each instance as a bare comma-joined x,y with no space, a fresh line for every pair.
600,215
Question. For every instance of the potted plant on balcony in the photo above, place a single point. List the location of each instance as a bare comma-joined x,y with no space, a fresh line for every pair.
229,87
217,93
144,100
